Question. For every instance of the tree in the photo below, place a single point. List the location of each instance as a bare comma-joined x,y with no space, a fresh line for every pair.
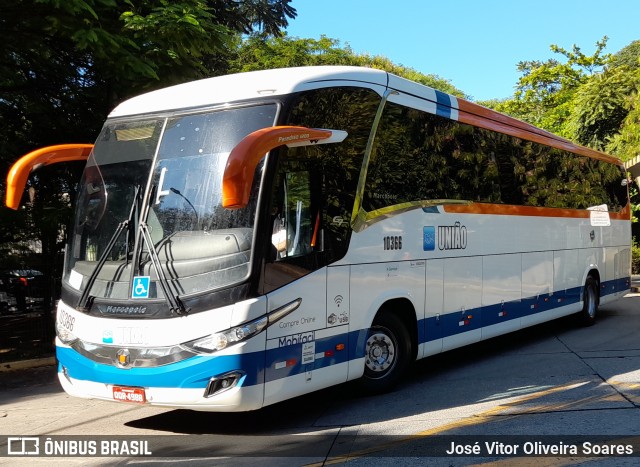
545,91
65,64
601,105
627,56
626,143
258,53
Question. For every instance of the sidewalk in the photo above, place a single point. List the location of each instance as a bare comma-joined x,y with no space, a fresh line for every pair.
24,364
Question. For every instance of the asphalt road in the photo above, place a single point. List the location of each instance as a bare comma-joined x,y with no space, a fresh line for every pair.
555,386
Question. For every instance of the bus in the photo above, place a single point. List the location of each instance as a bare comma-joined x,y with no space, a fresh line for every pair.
245,239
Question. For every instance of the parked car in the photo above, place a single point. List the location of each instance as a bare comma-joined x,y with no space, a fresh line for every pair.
21,290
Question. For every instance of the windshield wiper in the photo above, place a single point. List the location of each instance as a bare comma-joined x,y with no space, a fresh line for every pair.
175,303
85,301
173,300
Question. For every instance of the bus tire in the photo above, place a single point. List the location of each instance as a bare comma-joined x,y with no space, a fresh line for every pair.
387,353
590,301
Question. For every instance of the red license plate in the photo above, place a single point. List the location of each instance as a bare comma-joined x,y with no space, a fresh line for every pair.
125,394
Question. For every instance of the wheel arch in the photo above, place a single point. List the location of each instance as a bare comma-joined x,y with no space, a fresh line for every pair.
595,273
404,309
590,299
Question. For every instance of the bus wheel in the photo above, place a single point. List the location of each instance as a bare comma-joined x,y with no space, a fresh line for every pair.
590,300
387,353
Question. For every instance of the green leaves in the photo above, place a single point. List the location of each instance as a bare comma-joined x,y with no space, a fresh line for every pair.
601,105
590,99
64,64
626,142
258,53
544,92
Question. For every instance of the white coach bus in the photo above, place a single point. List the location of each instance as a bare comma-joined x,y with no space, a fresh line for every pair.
246,239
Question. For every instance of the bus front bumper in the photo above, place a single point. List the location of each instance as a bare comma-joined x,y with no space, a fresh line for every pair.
200,383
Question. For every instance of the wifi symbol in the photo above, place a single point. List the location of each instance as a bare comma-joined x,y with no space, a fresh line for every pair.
338,299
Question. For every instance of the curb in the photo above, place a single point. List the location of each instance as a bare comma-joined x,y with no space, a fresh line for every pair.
25,364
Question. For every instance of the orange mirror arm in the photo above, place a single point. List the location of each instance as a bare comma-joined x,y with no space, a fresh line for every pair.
243,159
19,172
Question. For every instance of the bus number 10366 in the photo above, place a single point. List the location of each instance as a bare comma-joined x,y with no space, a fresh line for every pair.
392,243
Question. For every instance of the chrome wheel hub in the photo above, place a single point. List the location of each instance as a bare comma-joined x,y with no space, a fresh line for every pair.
380,352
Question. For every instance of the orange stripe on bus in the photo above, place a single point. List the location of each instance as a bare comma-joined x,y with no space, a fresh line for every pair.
531,211
476,115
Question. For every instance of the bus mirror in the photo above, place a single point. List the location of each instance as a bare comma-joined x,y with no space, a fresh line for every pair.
243,159
19,172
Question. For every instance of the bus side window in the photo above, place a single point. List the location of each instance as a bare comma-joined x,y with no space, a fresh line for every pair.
292,226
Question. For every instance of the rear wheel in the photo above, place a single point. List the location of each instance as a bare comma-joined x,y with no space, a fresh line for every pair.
590,300
387,353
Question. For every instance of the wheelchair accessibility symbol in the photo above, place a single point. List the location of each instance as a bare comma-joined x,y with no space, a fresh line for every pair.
140,287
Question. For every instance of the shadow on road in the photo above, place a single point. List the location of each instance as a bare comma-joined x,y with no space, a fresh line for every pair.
420,392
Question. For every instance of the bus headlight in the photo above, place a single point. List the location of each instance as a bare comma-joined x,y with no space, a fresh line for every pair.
222,340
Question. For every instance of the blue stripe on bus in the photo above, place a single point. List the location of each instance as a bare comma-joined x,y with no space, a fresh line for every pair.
196,372
287,361
431,210
615,286
193,372
443,104
451,324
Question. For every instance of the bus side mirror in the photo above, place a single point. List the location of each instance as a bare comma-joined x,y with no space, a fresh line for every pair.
20,170
243,159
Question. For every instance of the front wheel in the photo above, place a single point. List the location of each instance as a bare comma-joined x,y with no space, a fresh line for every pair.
387,353
590,300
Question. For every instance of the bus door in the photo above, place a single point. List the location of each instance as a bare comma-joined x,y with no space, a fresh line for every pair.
298,355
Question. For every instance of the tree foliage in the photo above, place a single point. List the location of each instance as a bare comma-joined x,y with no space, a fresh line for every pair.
590,99
65,63
545,91
627,56
258,53
626,143
601,105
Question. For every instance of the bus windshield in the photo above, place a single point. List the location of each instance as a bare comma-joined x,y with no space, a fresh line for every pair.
163,176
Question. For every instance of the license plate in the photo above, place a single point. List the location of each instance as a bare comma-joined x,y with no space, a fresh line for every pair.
124,394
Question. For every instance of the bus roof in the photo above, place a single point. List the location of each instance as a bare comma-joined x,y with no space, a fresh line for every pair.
242,86
248,85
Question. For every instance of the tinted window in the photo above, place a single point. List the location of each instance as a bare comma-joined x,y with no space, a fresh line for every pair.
314,187
337,166
420,156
